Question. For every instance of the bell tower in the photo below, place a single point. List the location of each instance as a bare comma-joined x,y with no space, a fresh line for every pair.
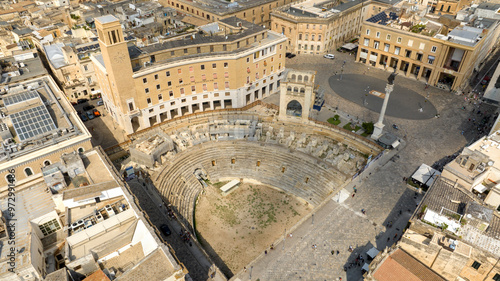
118,67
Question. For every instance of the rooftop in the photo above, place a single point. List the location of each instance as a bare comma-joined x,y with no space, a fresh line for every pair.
318,8
36,117
446,200
14,71
399,265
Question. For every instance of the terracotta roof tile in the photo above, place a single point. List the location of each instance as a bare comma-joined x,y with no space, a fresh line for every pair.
400,266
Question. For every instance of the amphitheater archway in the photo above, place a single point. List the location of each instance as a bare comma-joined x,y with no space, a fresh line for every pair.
294,108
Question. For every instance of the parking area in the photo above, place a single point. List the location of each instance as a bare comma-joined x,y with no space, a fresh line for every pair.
104,131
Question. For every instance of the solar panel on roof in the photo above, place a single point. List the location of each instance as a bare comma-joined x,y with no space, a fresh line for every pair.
21,97
32,122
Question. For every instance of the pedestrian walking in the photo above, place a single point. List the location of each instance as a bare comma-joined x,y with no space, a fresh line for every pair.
355,190
265,252
353,195
338,252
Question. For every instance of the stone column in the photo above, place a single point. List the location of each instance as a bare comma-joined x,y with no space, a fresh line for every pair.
379,126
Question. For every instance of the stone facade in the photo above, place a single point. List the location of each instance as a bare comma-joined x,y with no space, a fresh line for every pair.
239,64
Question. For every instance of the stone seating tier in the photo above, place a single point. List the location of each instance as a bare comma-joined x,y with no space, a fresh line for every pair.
302,176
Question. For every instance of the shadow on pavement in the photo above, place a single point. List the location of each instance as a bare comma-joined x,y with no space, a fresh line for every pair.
403,103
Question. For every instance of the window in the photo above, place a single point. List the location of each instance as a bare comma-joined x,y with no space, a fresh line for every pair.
367,42
172,53
130,106
430,59
225,64
204,87
160,97
224,47
410,42
377,34
144,80
226,74
191,78
202,67
146,90
307,36
193,89
496,277
476,265
419,56
397,50
203,77
179,71
170,93
182,91
408,53
388,37
148,100
312,37
169,83
386,47
376,44
422,46
215,75
191,69
49,227
214,65
85,67
156,76
46,163
433,49
198,50
216,86
167,73
226,84
400,39
180,81
158,86
300,36
185,51
319,37
367,32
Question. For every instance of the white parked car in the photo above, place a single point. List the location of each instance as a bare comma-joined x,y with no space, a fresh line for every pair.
329,56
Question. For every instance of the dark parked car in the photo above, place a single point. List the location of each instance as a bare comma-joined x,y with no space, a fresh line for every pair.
83,100
164,228
88,107
290,55
90,115
84,117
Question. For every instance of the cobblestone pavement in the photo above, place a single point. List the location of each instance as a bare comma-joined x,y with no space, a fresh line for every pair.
381,191
190,256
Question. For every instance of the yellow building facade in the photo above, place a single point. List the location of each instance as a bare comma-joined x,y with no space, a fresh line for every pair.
426,50
256,11
234,64
321,28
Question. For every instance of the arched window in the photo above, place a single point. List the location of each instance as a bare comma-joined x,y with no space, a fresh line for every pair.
28,172
289,89
295,89
293,77
46,163
306,78
81,150
300,78
302,90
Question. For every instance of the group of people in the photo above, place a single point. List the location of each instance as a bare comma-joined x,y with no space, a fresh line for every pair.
359,261
185,235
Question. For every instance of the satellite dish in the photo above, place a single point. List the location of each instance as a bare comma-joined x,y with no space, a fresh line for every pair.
469,216
490,163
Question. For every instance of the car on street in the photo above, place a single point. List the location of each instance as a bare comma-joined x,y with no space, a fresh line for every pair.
329,56
90,115
82,100
96,113
290,55
164,228
100,102
88,107
84,117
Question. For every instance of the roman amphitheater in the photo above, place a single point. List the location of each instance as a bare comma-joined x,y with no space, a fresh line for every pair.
299,158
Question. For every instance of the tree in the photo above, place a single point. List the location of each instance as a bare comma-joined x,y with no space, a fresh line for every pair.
368,127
